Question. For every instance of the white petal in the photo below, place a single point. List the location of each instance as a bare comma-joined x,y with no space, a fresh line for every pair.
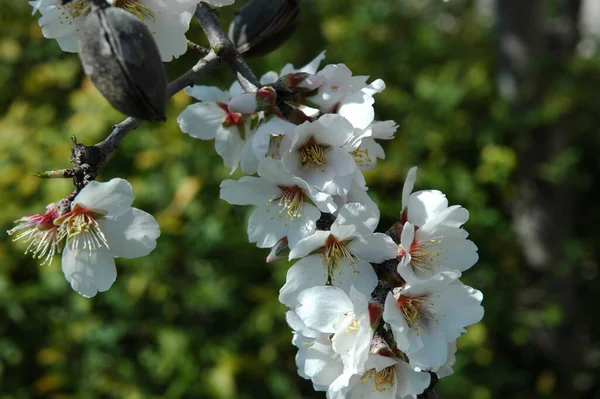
249,190
374,248
409,185
303,226
208,93
201,120
358,110
409,381
309,244
229,145
88,273
321,307
307,272
267,226
357,273
273,171
424,205
357,215
132,234
111,198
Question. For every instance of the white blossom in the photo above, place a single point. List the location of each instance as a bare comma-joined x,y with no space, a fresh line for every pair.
427,316
102,225
210,119
283,201
168,21
341,255
314,151
383,378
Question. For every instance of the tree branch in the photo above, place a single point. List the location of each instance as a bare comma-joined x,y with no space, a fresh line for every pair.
225,49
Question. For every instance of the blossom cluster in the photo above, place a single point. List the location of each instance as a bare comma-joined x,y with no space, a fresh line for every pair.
371,317
168,20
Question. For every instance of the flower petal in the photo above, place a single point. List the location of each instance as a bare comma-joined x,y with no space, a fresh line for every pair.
374,248
320,308
131,235
249,190
89,273
111,198
201,120
307,272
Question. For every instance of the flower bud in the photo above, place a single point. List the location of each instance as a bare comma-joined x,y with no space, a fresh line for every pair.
301,81
121,59
264,25
247,103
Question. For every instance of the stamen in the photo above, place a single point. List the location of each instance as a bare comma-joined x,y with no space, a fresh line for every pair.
312,154
291,202
383,380
334,251
361,157
417,311
424,257
41,234
136,9
81,228
274,147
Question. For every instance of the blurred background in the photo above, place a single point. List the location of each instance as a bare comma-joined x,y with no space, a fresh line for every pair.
498,104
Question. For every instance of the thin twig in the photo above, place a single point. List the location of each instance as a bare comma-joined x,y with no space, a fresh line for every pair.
111,143
225,49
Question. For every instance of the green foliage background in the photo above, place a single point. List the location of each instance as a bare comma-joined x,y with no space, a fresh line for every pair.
199,318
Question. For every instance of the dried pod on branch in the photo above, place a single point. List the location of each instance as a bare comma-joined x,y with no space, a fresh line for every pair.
264,25
121,58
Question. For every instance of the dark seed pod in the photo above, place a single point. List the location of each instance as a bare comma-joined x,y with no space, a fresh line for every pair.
264,25
120,57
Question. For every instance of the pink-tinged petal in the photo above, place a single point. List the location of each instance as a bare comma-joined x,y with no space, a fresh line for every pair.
111,198
208,94
89,272
229,145
357,215
410,382
374,248
357,273
201,120
409,185
306,273
309,244
249,190
303,226
320,308
266,226
131,235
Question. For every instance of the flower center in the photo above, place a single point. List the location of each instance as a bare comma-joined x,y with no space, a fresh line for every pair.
361,157
135,8
417,311
424,257
312,153
291,202
41,233
382,381
333,251
81,228
75,8
231,118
